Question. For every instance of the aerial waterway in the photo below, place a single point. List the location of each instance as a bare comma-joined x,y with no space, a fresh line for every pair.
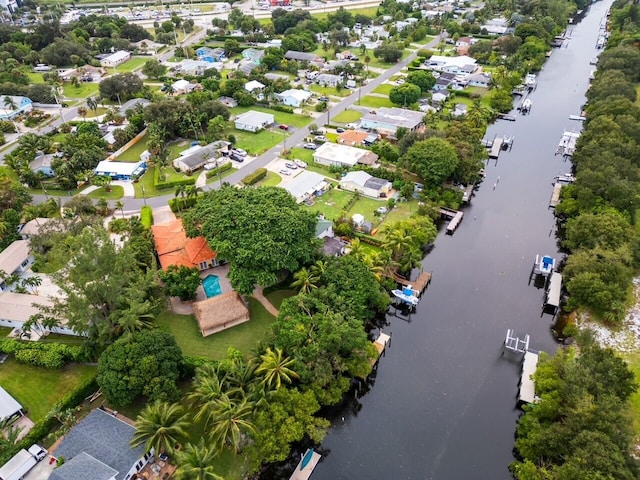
442,404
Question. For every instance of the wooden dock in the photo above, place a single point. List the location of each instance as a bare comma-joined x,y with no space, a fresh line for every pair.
305,468
454,216
419,285
552,299
496,146
381,344
527,392
555,195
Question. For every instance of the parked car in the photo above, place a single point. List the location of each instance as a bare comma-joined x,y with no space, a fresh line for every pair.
323,99
291,165
285,171
236,157
239,151
320,138
339,130
351,126
310,146
300,163
282,126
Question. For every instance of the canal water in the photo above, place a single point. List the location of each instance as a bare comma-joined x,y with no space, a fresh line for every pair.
443,402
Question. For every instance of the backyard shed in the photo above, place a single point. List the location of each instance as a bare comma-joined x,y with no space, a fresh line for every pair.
220,312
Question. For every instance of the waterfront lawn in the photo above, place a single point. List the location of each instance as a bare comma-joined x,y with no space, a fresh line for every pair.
83,90
291,119
257,143
116,193
347,116
244,337
331,203
39,389
383,88
402,211
375,102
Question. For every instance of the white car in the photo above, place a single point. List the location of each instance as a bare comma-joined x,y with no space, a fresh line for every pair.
291,165
351,126
300,163
240,152
285,171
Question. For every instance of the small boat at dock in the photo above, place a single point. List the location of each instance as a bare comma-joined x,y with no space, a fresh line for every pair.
525,106
544,265
567,144
407,295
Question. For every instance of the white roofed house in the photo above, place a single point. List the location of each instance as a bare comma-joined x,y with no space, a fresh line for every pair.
255,88
115,59
365,184
333,154
253,121
9,407
328,80
182,86
388,120
294,97
461,64
479,80
197,156
306,185
15,259
121,170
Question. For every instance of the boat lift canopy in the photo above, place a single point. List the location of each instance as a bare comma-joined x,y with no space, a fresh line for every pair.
553,293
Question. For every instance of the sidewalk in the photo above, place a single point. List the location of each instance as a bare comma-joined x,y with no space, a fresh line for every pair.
258,295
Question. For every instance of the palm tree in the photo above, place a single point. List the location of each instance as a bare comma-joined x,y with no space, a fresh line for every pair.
196,463
10,103
160,426
477,115
32,282
207,389
92,104
82,111
232,420
397,241
275,368
319,268
304,280
120,206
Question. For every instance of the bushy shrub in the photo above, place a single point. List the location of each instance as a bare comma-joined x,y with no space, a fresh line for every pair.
146,216
255,177
47,355
179,204
222,168
282,108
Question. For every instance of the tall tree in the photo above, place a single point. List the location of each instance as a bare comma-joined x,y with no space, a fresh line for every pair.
275,368
161,426
196,462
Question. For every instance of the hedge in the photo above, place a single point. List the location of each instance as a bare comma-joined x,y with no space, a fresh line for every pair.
282,108
43,426
178,204
47,355
190,364
255,177
172,183
146,216
222,168
364,238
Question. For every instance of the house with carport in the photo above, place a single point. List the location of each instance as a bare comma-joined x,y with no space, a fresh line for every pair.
306,185
365,184
121,170
196,157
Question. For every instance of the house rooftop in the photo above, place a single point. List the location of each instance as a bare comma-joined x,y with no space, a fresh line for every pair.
19,307
220,312
112,169
82,467
398,117
8,405
175,248
12,257
105,438
255,118
344,154
33,227
300,56
352,137
305,183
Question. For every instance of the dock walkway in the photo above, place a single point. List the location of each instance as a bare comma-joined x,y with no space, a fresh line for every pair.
527,392
305,468
420,284
455,218
555,195
496,147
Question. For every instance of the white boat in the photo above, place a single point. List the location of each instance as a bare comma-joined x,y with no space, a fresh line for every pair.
567,145
544,265
565,178
530,80
407,295
526,106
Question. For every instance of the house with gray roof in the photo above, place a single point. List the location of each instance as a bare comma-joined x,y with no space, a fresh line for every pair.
43,164
100,440
196,157
133,103
390,119
306,185
302,56
368,185
328,80
253,55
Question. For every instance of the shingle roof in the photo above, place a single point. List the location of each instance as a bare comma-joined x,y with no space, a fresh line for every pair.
13,256
105,438
83,467
301,56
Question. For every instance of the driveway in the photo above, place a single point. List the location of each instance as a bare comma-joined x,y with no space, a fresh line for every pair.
42,470
129,191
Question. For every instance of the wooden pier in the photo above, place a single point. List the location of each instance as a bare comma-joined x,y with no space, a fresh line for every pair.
555,195
552,299
419,285
504,116
305,468
496,147
381,344
454,216
468,193
527,392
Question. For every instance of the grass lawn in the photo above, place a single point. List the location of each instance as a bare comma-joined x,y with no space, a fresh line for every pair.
83,90
634,364
383,88
99,111
257,143
291,119
345,92
243,337
271,180
132,154
348,116
222,176
116,193
278,296
401,211
38,389
146,181
331,203
368,12
131,64
303,154
4,331
375,102
35,77
367,206
7,172
379,63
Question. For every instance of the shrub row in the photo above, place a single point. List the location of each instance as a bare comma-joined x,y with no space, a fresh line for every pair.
178,204
364,238
146,216
43,426
222,168
171,183
255,177
47,355
281,108
190,364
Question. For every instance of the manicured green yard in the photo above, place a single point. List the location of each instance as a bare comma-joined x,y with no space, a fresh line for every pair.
4,331
132,154
271,180
146,181
401,211
260,142
278,296
35,77
291,119
303,154
116,193
348,116
375,102
83,90
345,92
383,88
38,389
243,337
367,206
99,111
331,203
378,63
131,64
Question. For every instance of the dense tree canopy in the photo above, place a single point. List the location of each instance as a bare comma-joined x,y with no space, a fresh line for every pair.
261,231
434,160
120,87
405,94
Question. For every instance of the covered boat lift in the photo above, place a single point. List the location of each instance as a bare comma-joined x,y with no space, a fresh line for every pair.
552,299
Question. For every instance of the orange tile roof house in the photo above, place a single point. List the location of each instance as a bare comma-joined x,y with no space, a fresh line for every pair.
352,137
175,248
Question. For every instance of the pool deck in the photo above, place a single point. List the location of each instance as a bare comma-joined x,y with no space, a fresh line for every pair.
186,308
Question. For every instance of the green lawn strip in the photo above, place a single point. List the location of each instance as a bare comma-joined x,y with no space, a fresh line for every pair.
291,119
52,192
59,338
99,111
383,88
147,181
257,143
278,296
116,193
38,389
345,92
331,203
348,116
131,64
35,77
4,331
271,180
634,364
83,90
244,337
368,12
379,63
224,174
401,211
375,102
304,155
132,154
332,137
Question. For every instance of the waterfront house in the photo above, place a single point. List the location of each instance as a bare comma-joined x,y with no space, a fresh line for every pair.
367,185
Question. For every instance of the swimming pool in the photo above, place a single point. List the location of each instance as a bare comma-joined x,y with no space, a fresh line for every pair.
211,285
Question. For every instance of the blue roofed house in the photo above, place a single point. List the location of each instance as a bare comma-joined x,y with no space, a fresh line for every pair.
121,170
42,164
97,448
210,55
13,105
253,55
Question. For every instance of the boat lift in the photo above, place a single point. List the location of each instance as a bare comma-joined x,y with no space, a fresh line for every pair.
515,344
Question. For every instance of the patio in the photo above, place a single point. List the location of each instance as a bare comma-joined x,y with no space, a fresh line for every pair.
186,308
161,470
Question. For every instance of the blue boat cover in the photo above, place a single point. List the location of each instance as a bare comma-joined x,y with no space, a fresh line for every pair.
306,459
